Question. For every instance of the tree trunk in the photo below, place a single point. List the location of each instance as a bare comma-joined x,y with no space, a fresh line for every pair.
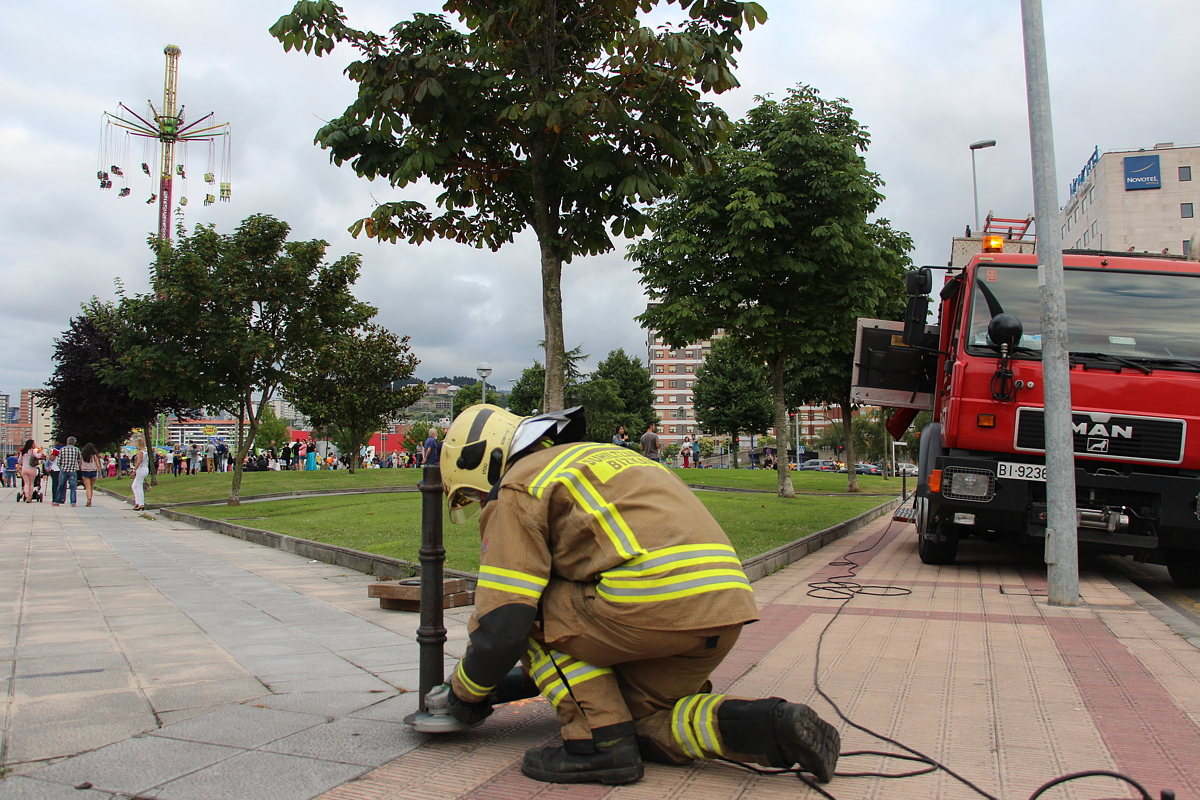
246,437
152,464
782,431
851,475
552,396
733,449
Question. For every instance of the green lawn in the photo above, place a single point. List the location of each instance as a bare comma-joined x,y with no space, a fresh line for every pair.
204,486
806,481
187,488
390,524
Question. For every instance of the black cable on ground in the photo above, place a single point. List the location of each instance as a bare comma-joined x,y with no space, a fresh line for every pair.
845,588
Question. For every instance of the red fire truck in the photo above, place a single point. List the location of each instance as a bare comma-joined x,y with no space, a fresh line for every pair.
1134,340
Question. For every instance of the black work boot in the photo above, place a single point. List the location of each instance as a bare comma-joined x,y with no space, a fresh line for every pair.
779,734
612,762
805,739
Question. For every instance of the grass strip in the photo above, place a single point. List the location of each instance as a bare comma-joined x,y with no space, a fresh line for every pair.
390,524
191,488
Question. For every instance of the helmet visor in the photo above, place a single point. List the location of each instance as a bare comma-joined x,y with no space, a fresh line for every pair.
463,504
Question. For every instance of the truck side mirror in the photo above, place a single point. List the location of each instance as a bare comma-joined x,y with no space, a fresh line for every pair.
915,314
918,281
1005,329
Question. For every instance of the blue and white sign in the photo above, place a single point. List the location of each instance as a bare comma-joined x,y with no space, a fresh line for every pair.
1142,172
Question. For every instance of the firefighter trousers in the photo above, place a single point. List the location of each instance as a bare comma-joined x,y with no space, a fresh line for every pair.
607,680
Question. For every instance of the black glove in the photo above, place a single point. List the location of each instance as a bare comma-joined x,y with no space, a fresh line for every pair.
469,713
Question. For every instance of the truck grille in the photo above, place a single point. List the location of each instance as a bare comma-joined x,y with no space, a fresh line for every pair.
1116,437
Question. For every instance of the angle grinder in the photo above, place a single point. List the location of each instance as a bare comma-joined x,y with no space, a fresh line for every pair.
436,718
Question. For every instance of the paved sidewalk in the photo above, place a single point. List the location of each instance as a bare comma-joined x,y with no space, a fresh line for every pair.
250,673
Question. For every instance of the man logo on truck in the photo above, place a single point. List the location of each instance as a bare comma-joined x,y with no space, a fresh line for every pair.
1118,432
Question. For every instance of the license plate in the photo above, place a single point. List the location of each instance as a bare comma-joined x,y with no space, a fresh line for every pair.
1022,472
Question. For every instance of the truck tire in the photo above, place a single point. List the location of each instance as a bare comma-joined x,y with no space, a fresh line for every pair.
1184,568
939,545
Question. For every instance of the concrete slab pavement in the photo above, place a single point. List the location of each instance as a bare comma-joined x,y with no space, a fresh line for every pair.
142,657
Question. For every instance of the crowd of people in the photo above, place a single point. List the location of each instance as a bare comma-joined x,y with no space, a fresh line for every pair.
67,466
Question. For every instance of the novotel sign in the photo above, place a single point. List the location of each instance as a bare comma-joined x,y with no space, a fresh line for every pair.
1142,172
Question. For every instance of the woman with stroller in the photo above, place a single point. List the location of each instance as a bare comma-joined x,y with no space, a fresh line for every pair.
27,460
90,462
140,470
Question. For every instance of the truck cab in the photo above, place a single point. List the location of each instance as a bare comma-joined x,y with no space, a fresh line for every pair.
1134,340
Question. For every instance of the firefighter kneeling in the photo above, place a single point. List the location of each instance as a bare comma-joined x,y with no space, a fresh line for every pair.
620,594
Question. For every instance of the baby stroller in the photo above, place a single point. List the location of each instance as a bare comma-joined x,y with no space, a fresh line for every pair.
36,494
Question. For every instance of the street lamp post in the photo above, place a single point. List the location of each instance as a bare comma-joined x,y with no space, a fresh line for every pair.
483,370
975,186
452,390
982,143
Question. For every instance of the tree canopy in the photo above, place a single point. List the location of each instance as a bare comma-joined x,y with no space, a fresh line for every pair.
84,404
254,311
351,385
527,392
560,118
777,249
635,389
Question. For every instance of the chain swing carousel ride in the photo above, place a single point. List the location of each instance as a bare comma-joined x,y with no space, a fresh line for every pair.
160,131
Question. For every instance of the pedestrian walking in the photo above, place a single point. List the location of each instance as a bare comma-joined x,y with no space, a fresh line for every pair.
432,450
51,467
68,471
140,470
89,469
686,451
28,462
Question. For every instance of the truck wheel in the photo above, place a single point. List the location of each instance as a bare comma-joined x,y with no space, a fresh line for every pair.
933,551
1185,569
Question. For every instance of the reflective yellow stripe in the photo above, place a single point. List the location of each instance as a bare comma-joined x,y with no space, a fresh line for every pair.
668,558
510,580
472,687
547,475
611,521
707,723
682,731
547,678
687,584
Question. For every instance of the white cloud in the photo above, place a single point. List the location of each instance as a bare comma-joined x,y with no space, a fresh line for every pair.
927,77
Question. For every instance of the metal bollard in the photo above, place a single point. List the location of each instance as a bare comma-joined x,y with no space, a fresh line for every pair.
431,635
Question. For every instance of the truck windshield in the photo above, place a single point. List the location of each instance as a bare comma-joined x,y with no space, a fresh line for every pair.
1150,317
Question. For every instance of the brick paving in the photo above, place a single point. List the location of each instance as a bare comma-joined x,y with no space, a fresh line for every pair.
142,657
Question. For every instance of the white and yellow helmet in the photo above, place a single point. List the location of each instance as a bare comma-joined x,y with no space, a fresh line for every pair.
484,439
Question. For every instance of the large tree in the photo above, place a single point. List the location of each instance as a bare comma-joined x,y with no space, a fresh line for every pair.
776,247
558,117
244,313
528,391
634,388
730,394
83,403
351,385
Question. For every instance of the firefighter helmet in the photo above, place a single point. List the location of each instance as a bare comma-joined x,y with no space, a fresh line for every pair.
484,439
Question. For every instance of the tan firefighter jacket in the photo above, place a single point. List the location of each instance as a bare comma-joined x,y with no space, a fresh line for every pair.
604,515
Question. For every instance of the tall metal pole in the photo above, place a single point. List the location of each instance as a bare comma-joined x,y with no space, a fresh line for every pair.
975,189
168,122
431,636
1062,546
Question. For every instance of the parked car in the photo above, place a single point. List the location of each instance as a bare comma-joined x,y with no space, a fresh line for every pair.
867,469
818,464
906,468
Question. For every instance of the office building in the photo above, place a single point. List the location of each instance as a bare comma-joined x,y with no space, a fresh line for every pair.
1134,200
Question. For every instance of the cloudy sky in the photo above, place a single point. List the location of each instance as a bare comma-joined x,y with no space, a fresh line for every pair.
927,77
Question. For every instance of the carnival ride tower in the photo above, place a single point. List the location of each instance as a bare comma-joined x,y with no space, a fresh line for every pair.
165,128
